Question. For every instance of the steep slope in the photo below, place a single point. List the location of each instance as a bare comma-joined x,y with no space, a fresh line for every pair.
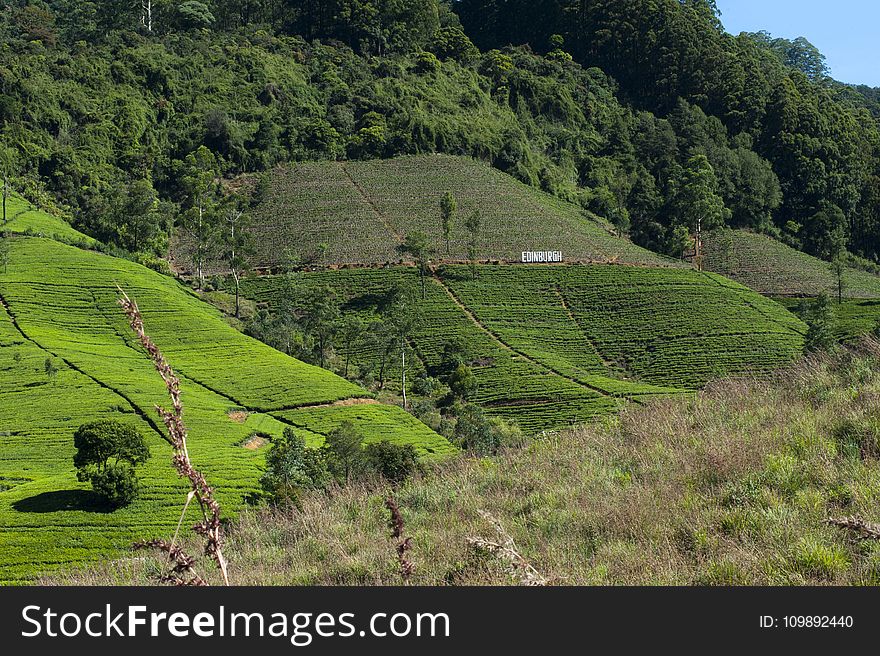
772,268
358,212
59,303
555,345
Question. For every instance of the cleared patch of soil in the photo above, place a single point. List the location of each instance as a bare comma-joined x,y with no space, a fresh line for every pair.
238,416
254,442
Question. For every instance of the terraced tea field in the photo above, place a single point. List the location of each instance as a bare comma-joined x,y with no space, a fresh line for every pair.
357,212
24,218
60,302
772,268
556,345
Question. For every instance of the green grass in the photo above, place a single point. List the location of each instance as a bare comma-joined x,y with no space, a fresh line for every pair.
63,300
772,268
360,210
557,345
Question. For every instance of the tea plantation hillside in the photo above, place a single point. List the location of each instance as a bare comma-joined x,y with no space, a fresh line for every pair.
359,211
25,218
554,345
59,306
775,269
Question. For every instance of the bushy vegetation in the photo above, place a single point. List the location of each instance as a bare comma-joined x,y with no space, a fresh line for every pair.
731,486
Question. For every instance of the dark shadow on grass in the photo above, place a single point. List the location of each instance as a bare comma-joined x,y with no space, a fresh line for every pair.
46,502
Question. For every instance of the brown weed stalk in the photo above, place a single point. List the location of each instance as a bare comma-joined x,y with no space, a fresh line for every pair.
210,527
182,572
862,529
505,549
404,544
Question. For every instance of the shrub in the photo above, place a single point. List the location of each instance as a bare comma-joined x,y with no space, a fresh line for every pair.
394,462
292,468
474,432
96,444
820,324
425,385
462,382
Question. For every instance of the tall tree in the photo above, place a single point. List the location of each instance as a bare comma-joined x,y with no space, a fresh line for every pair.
237,245
401,315
200,219
321,320
696,200
352,329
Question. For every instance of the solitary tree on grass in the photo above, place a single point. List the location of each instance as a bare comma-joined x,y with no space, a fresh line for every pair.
107,453
401,317
50,368
448,207
837,250
838,268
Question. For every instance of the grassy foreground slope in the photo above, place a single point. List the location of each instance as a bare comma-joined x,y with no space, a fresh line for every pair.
727,487
772,268
59,302
552,346
360,210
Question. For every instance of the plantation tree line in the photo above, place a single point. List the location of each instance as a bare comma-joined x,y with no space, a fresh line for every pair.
130,115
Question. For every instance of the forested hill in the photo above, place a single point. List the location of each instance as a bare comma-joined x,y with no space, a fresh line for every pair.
644,111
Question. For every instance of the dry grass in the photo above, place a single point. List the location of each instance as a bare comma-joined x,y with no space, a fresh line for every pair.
732,486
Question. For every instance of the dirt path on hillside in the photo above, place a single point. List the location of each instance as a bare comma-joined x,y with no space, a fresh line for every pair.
369,201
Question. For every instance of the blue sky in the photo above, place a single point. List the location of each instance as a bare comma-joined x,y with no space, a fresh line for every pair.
847,32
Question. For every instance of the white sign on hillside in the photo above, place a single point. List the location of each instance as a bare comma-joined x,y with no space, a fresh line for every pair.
535,257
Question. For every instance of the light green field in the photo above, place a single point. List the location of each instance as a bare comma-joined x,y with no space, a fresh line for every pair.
25,218
772,268
553,346
360,210
60,302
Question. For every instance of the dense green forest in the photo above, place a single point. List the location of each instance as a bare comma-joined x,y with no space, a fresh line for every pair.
644,111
